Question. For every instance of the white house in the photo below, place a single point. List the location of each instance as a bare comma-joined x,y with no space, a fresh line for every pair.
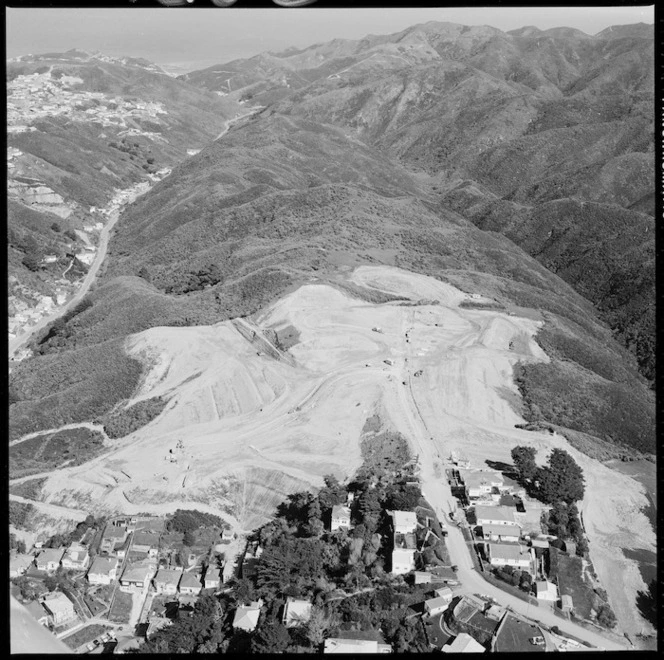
463,643
353,646
404,522
436,605
246,616
60,608
510,532
138,575
190,584
494,515
49,559
403,560
19,564
546,590
340,518
517,556
444,592
166,581
212,578
76,557
479,483
103,570
296,612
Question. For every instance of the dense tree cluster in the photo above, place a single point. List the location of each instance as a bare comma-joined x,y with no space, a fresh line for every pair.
560,480
123,422
184,520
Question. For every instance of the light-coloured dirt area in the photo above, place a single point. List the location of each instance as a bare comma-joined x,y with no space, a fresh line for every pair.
242,428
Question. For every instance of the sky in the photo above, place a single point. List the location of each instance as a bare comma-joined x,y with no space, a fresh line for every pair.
202,35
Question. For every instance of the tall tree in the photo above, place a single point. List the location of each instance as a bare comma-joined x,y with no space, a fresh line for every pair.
561,479
523,458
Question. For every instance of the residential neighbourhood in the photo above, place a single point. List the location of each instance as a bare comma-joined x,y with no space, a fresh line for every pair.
130,572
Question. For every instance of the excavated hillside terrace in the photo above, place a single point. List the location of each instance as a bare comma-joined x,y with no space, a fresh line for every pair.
246,423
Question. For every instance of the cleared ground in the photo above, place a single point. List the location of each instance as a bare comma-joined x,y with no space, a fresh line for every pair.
245,424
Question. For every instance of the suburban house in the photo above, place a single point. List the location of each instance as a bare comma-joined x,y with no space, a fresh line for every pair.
446,593
296,612
60,608
352,646
166,581
49,559
103,570
38,612
76,557
246,616
145,542
517,556
227,535
190,584
494,515
340,518
436,605
138,575
422,577
510,533
566,604
113,535
19,564
404,522
121,551
463,643
212,578
481,483
546,590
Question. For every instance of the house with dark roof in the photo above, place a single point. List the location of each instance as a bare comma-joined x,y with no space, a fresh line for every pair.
112,536
190,584
38,612
514,635
138,575
49,559
103,570
507,533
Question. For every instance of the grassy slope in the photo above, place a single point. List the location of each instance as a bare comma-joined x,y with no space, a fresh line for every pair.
359,208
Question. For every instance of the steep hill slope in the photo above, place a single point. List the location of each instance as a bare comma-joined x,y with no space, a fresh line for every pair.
81,127
275,203
531,116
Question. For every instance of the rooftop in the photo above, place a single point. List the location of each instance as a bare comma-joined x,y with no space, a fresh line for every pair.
191,580
296,612
113,532
508,551
340,511
138,572
404,519
103,565
168,576
476,478
504,530
51,554
463,643
494,513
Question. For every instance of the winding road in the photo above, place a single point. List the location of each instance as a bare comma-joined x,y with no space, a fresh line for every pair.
22,340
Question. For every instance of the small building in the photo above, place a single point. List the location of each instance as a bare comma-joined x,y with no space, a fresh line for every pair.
494,612
60,608
227,535
296,612
436,605
404,522
546,590
113,536
49,559
138,575
403,560
190,584
166,581
540,543
147,542
517,556
19,564
76,557
353,646
570,547
494,515
103,570
444,592
479,483
246,616
444,574
508,533
422,577
212,578
566,603
38,612
463,643
340,518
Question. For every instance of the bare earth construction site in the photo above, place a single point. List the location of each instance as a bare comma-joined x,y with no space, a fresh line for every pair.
248,421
